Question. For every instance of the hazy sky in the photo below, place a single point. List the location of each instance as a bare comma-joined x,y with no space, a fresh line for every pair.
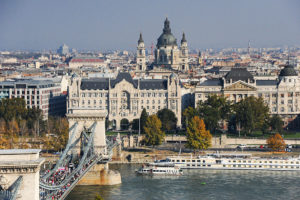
116,24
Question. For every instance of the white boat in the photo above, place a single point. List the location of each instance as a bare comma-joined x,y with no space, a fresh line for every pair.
159,168
235,162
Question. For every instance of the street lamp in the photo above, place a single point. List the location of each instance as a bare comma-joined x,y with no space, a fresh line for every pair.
140,126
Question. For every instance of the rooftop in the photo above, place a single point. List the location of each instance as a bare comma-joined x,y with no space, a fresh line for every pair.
237,73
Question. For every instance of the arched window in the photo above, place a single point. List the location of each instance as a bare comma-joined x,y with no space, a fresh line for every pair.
125,100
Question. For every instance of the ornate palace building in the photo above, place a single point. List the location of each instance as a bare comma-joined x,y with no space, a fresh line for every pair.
168,57
282,95
124,97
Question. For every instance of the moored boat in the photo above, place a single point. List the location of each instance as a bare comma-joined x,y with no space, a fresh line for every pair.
235,162
159,168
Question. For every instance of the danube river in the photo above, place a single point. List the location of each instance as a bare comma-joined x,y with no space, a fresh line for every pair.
196,184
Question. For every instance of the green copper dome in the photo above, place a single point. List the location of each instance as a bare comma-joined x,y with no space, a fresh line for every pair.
166,38
288,70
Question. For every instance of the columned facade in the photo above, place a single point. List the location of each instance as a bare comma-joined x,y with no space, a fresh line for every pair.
282,95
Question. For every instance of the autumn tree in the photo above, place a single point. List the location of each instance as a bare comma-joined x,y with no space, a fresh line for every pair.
168,119
197,136
98,197
3,142
276,142
154,134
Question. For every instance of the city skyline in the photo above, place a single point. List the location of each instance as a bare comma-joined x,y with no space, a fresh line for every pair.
100,25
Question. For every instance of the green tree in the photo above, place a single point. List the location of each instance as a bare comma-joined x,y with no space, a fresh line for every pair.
98,197
135,124
276,123
143,120
12,108
188,115
168,119
107,123
154,134
197,136
251,114
213,110
124,124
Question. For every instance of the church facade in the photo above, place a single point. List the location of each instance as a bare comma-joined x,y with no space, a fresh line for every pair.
282,95
124,97
168,56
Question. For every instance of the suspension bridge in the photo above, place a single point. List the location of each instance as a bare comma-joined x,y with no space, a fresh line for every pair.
87,146
86,150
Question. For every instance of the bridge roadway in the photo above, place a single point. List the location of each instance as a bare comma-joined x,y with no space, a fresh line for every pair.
57,183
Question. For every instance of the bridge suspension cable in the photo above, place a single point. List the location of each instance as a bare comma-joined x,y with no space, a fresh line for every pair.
57,183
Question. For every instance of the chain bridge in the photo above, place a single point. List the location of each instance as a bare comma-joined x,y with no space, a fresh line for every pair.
86,149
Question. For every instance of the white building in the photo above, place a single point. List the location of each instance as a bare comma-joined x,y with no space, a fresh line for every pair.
78,62
124,97
281,95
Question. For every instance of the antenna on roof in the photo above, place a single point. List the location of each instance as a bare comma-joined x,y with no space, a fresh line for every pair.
248,47
288,61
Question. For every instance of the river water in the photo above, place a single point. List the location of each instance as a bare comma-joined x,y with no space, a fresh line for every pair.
196,184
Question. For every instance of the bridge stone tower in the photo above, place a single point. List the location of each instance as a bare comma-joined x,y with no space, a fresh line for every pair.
19,173
83,119
79,121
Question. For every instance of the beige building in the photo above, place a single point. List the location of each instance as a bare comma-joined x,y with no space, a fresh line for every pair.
124,97
78,62
282,95
167,54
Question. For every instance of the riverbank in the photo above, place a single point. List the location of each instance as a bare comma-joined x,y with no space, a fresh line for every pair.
146,155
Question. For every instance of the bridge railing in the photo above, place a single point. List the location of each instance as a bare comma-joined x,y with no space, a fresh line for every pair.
52,191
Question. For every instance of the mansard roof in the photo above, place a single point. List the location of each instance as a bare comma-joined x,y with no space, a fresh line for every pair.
237,74
159,84
212,82
266,82
103,83
121,76
95,84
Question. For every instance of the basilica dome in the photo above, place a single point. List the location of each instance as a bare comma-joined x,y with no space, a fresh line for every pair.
166,38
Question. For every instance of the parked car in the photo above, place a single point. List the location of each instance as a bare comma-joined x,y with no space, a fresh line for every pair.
242,146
